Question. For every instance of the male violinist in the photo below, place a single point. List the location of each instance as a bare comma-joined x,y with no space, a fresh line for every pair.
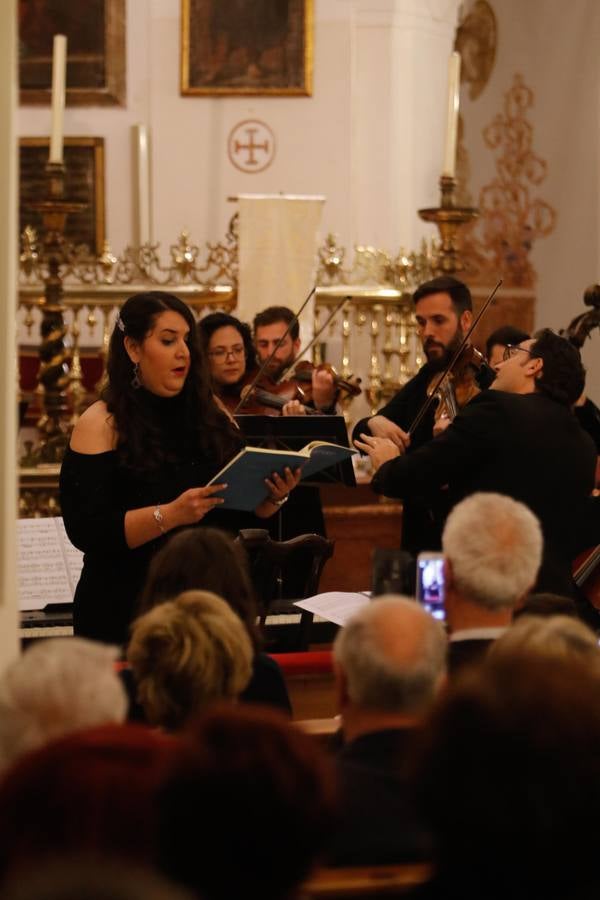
443,310
269,326
521,439
303,514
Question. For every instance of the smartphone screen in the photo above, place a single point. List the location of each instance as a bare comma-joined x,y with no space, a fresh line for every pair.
430,583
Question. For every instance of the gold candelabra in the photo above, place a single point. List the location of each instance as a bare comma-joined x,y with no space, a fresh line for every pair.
449,219
53,374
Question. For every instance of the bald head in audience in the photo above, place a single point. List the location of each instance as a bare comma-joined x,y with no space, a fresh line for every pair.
389,663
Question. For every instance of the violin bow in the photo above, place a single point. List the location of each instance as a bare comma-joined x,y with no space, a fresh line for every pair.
267,361
331,316
419,417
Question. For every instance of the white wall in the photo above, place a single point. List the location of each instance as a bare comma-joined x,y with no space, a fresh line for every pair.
554,46
370,137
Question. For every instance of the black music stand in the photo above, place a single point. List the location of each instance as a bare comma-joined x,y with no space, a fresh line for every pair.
294,432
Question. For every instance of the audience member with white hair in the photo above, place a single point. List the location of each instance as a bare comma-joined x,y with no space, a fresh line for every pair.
493,550
58,686
389,662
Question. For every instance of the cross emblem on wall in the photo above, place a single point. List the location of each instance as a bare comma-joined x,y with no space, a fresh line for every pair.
251,146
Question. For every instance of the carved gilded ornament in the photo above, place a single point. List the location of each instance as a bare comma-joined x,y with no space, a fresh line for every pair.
512,217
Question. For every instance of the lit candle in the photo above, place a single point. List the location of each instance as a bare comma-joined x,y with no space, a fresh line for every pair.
143,184
59,68
452,120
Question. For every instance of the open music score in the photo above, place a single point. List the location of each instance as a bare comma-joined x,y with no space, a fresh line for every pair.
48,565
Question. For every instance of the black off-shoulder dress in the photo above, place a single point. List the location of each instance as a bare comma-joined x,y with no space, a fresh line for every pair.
96,491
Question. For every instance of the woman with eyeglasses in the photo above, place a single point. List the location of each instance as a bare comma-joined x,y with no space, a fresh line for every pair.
228,345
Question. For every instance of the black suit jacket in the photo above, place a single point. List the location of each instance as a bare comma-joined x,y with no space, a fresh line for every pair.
422,512
378,822
466,653
525,446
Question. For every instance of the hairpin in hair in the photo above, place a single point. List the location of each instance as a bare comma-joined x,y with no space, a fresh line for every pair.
120,323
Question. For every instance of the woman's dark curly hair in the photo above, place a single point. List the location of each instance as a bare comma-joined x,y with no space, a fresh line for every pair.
200,423
213,321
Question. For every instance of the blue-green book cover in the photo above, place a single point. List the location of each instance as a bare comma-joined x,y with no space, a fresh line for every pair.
245,474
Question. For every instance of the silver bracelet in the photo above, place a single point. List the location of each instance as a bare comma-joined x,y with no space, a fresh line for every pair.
278,503
159,519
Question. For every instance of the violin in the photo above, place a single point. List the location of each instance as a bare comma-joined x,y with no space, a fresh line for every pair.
476,359
263,398
303,373
460,383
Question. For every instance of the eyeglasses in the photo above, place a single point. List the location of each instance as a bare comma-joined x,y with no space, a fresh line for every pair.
512,349
221,353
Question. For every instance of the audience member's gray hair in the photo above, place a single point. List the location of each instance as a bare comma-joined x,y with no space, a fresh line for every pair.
57,686
404,680
552,636
494,545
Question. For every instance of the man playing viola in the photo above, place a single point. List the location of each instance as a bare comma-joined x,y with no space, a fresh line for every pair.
269,326
443,310
521,439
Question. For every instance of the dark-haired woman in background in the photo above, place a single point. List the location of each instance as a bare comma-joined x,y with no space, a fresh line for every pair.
228,346
140,458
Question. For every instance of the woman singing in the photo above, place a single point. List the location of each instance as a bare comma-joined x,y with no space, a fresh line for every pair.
140,458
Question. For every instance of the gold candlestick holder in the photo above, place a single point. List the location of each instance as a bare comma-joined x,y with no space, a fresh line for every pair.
53,375
449,219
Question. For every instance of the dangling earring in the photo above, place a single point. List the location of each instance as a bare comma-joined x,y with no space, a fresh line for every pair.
135,381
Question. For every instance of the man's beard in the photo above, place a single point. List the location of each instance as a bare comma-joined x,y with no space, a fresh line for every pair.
276,368
439,362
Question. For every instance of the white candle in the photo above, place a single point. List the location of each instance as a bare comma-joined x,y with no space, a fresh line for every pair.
452,119
59,68
143,183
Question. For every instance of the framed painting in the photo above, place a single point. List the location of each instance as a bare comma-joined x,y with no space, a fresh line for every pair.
95,31
84,183
246,47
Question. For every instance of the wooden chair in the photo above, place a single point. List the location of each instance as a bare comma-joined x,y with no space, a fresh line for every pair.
270,562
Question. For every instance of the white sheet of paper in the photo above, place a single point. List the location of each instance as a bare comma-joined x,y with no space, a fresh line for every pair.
48,565
335,606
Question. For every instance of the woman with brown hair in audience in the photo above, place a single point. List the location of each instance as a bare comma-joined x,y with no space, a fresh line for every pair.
140,460
206,559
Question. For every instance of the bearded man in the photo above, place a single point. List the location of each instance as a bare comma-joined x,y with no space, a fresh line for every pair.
443,310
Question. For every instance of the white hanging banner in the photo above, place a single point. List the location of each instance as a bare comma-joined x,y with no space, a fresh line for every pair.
278,237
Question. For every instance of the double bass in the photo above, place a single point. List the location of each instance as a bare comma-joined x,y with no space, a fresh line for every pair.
586,569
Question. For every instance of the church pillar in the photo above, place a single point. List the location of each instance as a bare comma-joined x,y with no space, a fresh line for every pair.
8,364
400,51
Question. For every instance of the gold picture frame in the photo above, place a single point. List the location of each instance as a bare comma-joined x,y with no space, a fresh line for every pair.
95,31
246,47
84,183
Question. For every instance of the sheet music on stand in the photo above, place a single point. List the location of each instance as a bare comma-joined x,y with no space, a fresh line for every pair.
48,565
294,432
